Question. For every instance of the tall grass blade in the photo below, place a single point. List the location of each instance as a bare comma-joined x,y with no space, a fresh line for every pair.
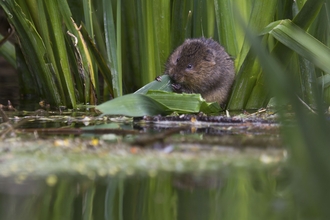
111,46
301,42
249,75
88,20
119,49
153,62
34,51
60,50
162,25
308,13
260,15
28,85
103,67
227,29
7,50
83,58
179,21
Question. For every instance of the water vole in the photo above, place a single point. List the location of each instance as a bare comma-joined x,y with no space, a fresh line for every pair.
201,66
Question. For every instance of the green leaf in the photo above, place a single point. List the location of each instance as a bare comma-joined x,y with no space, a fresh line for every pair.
7,50
183,103
112,46
163,84
261,14
33,49
134,105
301,42
157,102
104,69
227,30
83,71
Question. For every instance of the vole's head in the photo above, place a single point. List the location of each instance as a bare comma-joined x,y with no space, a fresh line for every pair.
190,62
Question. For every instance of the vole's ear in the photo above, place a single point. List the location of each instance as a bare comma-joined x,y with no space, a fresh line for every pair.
210,56
175,57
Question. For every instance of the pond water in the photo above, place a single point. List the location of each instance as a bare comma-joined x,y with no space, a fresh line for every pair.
232,192
169,169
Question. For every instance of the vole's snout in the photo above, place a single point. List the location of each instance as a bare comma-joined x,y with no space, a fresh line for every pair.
175,77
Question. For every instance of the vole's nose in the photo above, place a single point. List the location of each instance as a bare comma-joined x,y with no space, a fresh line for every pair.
175,77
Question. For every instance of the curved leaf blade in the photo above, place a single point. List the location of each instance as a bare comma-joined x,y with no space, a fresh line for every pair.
134,105
164,84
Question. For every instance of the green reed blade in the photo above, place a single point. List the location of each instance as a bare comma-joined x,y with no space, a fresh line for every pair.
34,51
111,46
7,50
226,26
88,20
162,27
45,32
104,69
60,51
303,43
119,48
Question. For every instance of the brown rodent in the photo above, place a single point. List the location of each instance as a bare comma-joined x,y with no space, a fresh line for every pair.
201,66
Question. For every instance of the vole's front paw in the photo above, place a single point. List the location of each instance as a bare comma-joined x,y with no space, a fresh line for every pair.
176,87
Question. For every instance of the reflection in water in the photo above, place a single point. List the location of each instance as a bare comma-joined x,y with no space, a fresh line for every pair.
231,193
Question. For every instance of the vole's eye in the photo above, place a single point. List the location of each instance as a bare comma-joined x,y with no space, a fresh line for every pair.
189,66
177,60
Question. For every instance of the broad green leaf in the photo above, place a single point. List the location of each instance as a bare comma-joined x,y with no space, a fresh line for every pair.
134,105
210,108
163,84
157,102
182,103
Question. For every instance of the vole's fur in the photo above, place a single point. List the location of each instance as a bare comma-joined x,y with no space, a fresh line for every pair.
201,66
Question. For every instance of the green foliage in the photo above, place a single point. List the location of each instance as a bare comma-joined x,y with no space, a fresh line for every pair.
157,98
309,147
128,43
157,102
